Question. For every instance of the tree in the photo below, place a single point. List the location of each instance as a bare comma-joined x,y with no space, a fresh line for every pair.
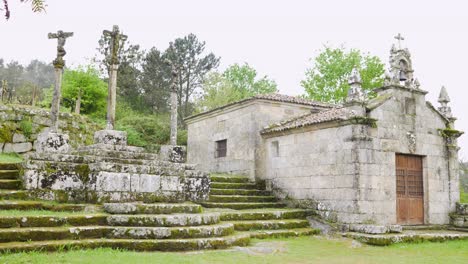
36,6
327,80
155,81
188,54
128,74
38,75
237,82
84,91
13,75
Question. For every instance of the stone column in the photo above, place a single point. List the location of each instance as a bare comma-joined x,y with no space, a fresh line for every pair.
55,109
173,118
112,96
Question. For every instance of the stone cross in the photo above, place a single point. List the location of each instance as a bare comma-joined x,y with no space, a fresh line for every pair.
116,41
61,39
173,100
399,37
59,63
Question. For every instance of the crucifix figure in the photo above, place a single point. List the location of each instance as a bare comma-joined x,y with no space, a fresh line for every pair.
59,63
61,39
116,40
399,37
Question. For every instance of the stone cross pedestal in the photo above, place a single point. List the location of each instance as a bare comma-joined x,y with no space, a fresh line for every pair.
51,140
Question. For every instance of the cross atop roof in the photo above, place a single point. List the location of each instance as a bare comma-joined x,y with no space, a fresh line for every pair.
399,37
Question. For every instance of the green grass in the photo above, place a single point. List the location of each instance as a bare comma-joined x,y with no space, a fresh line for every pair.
10,158
463,196
291,250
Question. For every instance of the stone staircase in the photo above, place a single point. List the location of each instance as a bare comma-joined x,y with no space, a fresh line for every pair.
253,210
134,226
10,185
236,211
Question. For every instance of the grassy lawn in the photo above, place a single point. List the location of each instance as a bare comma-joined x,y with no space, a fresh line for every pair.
10,158
290,250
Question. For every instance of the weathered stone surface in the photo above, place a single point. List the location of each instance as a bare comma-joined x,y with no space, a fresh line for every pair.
17,147
375,229
19,138
111,137
462,209
53,142
110,173
177,154
13,117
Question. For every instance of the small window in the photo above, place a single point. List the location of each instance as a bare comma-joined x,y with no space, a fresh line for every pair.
275,149
221,148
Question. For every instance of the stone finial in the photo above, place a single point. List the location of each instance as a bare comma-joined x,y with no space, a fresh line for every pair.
400,64
416,83
444,100
355,93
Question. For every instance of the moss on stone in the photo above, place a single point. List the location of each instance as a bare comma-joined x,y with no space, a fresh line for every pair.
372,122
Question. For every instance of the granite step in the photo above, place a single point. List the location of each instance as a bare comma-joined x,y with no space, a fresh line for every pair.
52,221
263,234
168,220
119,232
248,192
156,208
10,184
229,178
9,166
241,199
229,185
38,205
13,195
131,244
9,174
269,224
240,206
264,214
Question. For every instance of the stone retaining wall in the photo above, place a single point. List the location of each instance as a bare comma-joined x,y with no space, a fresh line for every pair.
20,125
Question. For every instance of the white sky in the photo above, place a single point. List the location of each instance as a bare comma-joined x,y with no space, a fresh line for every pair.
278,38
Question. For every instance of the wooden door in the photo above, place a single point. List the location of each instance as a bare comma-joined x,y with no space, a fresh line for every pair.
409,189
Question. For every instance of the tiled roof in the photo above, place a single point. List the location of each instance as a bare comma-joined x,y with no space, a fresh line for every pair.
291,99
272,97
335,114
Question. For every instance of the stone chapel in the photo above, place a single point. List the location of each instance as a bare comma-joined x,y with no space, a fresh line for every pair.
390,159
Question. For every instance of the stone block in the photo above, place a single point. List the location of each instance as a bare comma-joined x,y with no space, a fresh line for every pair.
113,181
177,154
111,137
52,142
19,138
17,147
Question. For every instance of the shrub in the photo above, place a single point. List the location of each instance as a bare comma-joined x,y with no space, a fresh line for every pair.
26,127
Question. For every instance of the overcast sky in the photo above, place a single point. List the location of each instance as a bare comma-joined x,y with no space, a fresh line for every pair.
278,38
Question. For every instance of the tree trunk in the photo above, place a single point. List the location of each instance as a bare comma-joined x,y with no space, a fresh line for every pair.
78,103
34,94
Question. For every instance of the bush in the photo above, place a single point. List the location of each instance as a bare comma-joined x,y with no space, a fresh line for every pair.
26,127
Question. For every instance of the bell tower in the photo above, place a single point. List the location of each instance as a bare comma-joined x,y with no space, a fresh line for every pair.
401,67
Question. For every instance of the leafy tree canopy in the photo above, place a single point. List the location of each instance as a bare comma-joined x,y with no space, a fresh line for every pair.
84,82
237,82
327,80
36,6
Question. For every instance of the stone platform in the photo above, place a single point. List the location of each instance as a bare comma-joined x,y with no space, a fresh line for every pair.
111,171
